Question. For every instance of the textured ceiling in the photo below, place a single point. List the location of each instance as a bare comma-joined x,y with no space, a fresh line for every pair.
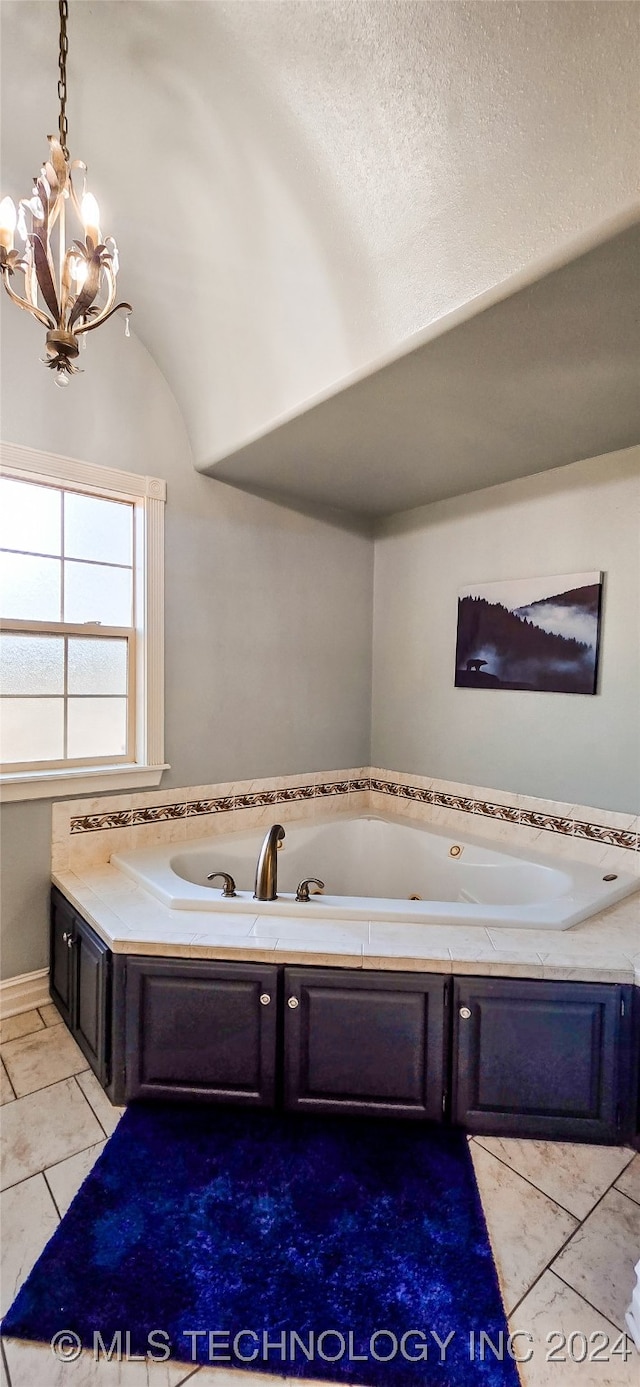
548,375
298,186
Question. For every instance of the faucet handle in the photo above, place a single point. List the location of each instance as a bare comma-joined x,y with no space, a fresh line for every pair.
229,888
302,894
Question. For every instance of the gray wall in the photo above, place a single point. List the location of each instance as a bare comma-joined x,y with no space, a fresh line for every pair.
268,612
269,620
584,750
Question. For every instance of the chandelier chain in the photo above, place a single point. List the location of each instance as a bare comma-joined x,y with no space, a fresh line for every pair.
63,6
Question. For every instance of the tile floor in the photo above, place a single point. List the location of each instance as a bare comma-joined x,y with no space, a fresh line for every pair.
564,1222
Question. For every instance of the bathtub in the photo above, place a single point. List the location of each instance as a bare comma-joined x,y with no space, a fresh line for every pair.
374,869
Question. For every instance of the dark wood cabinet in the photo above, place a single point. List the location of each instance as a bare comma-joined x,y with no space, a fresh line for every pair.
91,961
365,1042
201,1030
80,983
503,1056
63,924
542,1059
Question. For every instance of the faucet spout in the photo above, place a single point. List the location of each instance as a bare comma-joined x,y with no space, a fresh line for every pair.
266,888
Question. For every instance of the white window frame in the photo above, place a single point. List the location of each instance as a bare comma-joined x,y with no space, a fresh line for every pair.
148,496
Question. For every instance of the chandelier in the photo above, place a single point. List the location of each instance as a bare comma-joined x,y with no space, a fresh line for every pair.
70,289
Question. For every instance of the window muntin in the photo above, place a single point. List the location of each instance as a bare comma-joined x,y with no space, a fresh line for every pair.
67,633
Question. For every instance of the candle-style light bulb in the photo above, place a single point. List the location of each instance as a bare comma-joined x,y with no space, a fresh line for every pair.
91,217
8,218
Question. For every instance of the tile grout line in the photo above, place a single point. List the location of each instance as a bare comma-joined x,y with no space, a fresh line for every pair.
52,1026
548,1266
189,1377
561,1249
55,1204
43,1027
90,1105
531,1184
45,1168
580,1297
623,1192
6,1071
478,1139
53,1083
43,1087
591,1305
4,1361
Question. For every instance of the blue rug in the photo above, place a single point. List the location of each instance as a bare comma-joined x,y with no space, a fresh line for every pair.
335,1249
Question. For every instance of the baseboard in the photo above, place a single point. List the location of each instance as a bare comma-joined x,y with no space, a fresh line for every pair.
24,993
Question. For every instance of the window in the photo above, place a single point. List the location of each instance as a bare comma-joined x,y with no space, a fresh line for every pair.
80,626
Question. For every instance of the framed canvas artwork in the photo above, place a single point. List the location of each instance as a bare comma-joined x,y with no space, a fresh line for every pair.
532,633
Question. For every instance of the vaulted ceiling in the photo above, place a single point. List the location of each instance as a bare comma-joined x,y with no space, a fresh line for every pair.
297,186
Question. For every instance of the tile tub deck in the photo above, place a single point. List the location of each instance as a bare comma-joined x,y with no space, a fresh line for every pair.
605,948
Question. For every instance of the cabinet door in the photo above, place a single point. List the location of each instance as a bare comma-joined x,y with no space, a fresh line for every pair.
201,1030
537,1059
369,1043
92,991
63,923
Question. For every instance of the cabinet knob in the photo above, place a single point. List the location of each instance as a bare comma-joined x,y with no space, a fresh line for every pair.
70,941
465,1013
66,937
293,1003
265,999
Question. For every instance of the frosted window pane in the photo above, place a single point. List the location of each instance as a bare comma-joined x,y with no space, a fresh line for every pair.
31,729
97,727
97,529
30,588
29,517
95,593
31,664
97,666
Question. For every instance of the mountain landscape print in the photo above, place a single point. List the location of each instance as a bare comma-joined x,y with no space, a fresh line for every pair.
532,633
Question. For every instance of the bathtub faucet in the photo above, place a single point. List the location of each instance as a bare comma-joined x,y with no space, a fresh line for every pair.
267,869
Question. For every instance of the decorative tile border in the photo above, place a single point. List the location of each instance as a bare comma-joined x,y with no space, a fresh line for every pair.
255,799
598,833
157,814
550,822
223,805
507,813
97,823
510,813
288,794
451,801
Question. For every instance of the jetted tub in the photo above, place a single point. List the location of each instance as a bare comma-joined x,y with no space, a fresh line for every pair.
375,870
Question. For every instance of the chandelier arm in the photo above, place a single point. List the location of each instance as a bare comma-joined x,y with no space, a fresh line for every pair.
55,210
88,327
24,303
104,312
77,164
30,282
111,291
87,294
45,275
65,283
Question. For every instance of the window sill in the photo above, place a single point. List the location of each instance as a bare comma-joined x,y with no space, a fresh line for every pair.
85,780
